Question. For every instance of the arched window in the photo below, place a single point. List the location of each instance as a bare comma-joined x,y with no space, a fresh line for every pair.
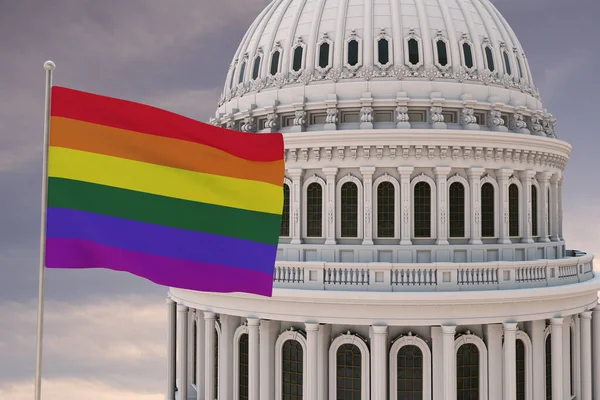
548,211
285,216
413,51
507,67
275,62
297,63
534,211
292,370
549,367
242,72
243,374
383,51
457,210
314,210
520,66
349,372
442,53
422,209
409,373
256,68
520,369
353,52
349,210
468,53
385,210
490,59
513,210
467,371
232,78
487,210
217,364
324,55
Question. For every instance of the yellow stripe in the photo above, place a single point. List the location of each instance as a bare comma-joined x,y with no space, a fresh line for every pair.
164,181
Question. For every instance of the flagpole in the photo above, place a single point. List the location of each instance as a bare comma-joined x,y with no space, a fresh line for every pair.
49,67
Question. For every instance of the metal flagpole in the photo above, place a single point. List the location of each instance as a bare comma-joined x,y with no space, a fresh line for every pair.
49,67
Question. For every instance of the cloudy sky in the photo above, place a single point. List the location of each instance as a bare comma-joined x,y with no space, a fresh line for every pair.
105,332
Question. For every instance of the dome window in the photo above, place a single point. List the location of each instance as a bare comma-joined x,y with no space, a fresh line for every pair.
349,210
256,67
275,62
487,210
232,80
353,52
383,47
513,210
413,52
242,72
324,55
457,210
489,57
468,54
422,210
507,67
314,210
386,200
297,62
442,53
285,216
519,66
534,211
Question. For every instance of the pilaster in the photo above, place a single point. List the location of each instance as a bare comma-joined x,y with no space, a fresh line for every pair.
312,359
253,359
441,177
596,352
379,366
295,174
510,361
199,321
493,337
543,179
405,204
585,319
267,359
538,344
566,353
554,235
182,333
367,174
556,339
171,348
437,362
228,325
474,175
560,208
323,379
502,176
210,336
526,206
449,362
330,174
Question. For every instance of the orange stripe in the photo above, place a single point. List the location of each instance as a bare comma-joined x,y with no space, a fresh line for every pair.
85,136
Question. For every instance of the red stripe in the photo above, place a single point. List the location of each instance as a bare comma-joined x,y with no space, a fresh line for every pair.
123,114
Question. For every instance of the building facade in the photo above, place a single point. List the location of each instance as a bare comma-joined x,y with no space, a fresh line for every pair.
422,253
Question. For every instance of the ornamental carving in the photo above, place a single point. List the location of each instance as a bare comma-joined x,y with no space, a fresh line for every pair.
272,121
368,215
549,126
332,116
366,114
535,124
406,213
248,125
435,115
330,212
230,124
495,119
467,116
402,114
517,122
300,118
296,212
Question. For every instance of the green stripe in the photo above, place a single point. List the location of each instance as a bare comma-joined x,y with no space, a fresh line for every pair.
166,211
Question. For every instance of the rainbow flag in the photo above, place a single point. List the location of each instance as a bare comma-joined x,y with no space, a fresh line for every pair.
179,202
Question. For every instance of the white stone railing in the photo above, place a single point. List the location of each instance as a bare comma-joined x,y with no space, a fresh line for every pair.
433,276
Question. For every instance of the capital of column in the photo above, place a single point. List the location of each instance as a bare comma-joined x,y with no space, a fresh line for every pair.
330,172
586,314
379,329
596,308
544,176
527,174
209,315
555,178
556,321
442,171
449,330
312,326
510,326
181,308
405,170
561,181
169,300
504,173
475,172
295,173
253,321
367,171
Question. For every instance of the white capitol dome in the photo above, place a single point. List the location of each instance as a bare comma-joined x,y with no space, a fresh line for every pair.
421,253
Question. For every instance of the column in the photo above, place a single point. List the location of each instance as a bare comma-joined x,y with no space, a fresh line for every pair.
253,359
493,337
324,341
527,230
312,360
182,333
441,176
474,175
329,198
210,335
554,207
228,324
502,176
510,361
199,321
295,175
171,348
560,208
543,179
566,353
437,364
596,352
367,174
405,201
536,333
267,359
379,369
586,355
556,332
449,362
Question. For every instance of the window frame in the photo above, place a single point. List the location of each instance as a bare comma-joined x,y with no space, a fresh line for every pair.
487,46
383,36
324,40
488,179
289,185
276,48
463,58
519,218
284,337
397,220
409,340
241,330
305,185
259,56
436,57
353,36
360,207
365,364
407,39
433,198
299,43
483,360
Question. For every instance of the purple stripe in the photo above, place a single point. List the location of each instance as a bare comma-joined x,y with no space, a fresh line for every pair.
161,240
78,253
